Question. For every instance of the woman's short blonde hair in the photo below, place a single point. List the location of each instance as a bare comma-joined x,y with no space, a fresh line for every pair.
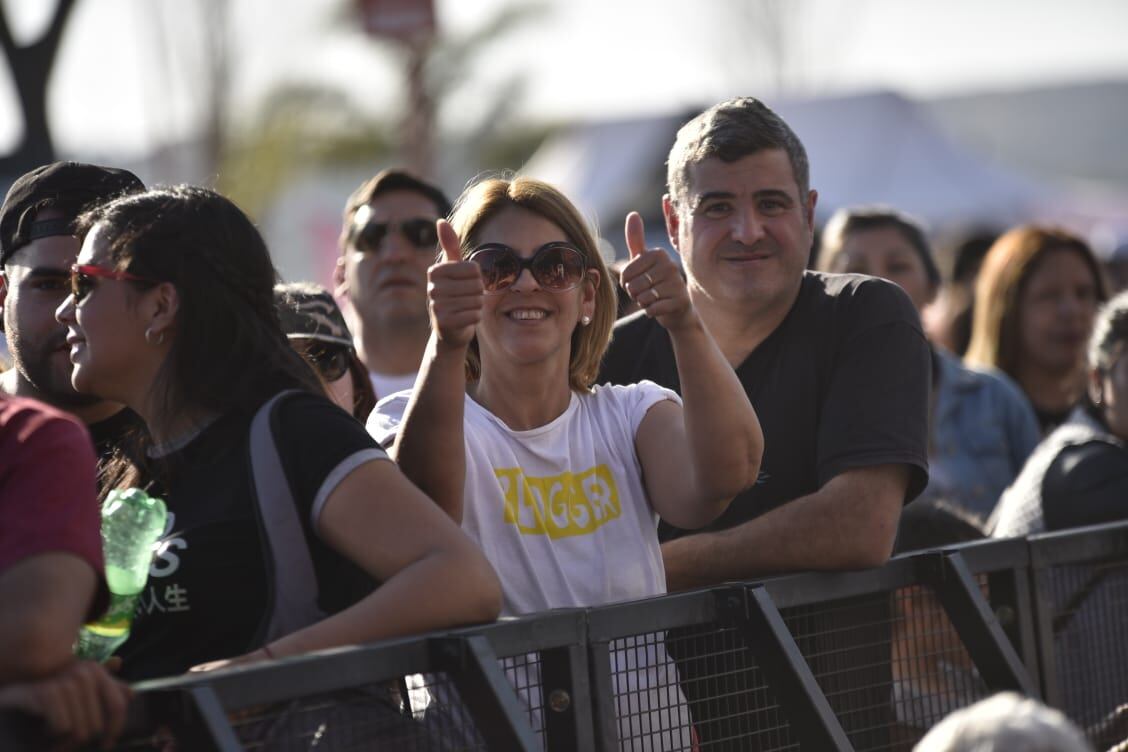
484,200
1006,268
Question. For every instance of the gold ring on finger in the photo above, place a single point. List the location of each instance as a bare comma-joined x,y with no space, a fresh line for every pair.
649,278
656,295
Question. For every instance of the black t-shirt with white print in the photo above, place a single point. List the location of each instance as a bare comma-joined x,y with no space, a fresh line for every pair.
206,595
842,383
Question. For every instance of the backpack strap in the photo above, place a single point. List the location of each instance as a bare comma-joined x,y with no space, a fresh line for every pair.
292,590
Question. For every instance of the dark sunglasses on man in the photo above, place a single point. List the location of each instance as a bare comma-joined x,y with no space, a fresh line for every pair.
368,237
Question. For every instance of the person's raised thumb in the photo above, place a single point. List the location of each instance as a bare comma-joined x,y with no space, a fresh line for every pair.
448,241
636,235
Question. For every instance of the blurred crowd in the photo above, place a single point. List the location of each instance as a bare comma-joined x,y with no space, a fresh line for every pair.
481,418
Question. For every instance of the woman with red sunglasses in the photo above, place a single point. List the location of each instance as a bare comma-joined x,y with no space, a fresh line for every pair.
562,482
172,313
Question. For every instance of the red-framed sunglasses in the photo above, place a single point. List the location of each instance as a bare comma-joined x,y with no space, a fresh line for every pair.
83,275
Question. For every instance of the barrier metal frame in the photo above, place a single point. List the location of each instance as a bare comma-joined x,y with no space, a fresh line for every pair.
1009,636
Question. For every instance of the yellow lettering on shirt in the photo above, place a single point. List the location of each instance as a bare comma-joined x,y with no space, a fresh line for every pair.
559,506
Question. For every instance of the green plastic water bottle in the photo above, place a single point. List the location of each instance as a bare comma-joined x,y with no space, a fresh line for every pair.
132,521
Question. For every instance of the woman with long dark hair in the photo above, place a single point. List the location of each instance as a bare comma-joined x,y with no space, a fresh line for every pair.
172,314
1035,298
1079,474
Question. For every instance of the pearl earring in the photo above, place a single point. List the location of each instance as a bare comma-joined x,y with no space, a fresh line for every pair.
585,320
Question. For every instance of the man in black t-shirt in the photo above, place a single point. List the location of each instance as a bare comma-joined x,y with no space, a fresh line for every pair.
836,366
37,249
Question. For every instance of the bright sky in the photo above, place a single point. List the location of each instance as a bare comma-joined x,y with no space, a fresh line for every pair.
127,76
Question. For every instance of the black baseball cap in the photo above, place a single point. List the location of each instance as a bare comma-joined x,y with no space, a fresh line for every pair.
69,187
308,311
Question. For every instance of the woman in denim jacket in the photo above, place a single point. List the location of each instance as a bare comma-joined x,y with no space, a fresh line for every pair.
983,427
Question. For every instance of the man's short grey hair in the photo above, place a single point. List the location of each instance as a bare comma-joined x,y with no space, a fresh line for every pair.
731,131
1006,721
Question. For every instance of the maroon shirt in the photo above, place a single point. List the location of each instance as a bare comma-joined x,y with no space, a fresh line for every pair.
47,488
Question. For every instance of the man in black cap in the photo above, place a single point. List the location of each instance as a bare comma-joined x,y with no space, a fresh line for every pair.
37,249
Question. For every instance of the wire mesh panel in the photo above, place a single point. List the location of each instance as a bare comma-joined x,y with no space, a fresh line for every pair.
848,645
372,717
524,673
417,713
366,718
650,708
931,671
730,702
435,702
1090,640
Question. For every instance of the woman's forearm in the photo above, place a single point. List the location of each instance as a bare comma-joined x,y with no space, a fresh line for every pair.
430,446
445,589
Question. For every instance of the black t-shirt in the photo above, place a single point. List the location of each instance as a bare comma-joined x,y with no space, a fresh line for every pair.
842,383
1086,484
206,595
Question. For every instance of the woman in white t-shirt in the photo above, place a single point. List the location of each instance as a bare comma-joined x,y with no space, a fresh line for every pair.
562,483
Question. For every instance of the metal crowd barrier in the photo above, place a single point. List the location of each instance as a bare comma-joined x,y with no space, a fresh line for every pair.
817,661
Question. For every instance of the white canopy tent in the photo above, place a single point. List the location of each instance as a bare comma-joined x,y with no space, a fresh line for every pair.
865,149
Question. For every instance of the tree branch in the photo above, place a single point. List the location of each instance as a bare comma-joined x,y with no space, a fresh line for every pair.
6,42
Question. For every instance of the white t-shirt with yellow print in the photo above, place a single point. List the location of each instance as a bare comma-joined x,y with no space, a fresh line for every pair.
559,510
561,513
